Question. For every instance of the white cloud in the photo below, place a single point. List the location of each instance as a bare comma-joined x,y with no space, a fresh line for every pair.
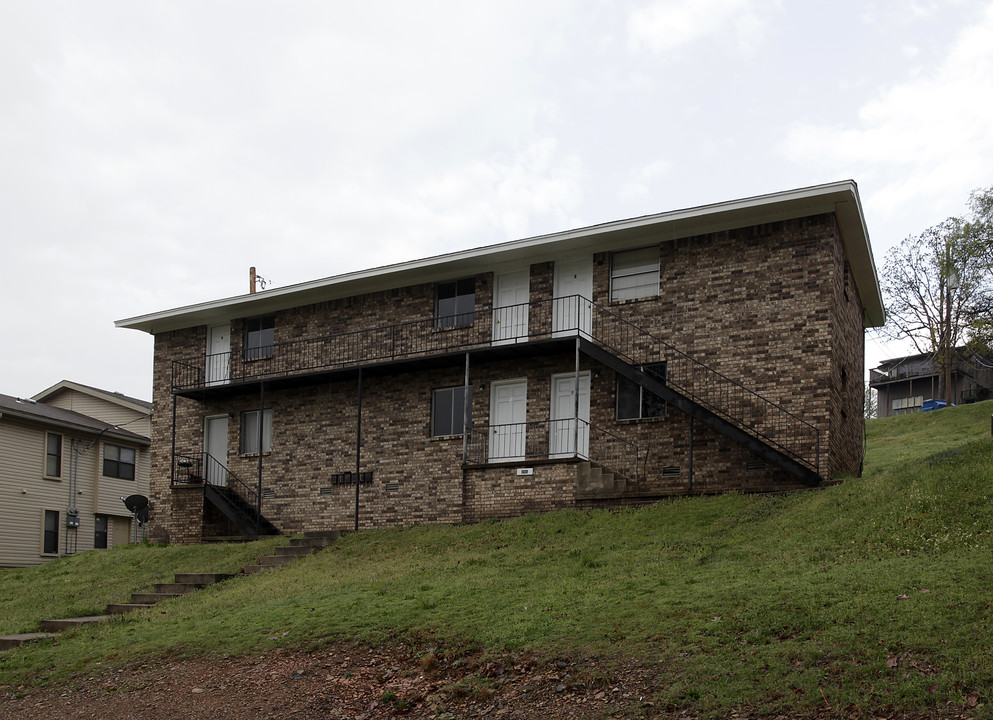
669,24
927,139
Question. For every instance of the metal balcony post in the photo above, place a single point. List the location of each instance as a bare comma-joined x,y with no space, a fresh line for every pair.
358,447
575,438
258,500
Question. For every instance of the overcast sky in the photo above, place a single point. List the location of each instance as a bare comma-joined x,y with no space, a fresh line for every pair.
150,152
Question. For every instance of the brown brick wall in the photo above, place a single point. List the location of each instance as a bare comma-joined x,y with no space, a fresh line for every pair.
764,305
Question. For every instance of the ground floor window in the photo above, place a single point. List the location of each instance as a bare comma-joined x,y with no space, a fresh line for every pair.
635,402
250,432
448,411
50,543
100,532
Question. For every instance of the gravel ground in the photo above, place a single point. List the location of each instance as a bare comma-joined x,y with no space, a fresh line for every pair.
362,683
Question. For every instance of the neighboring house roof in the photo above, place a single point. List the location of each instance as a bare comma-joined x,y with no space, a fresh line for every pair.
840,198
142,406
24,409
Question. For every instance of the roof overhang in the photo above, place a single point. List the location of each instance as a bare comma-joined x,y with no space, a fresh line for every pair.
841,198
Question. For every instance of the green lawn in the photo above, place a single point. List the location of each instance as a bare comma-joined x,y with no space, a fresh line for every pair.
866,594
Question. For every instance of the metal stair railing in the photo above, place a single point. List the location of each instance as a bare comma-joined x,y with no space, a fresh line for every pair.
553,439
571,316
204,468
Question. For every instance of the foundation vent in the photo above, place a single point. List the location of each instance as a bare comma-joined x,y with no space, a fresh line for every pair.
755,466
670,471
326,491
268,494
348,478
392,487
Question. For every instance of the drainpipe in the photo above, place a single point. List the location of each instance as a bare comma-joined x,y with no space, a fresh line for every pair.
358,449
258,518
575,439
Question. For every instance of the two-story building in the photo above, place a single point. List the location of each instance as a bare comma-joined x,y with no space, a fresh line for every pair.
703,350
67,457
903,384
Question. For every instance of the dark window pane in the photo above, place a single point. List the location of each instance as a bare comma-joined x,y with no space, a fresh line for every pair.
628,399
53,456
456,303
260,335
448,411
51,542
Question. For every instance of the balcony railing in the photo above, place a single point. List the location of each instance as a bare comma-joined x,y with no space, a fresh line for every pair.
553,439
542,319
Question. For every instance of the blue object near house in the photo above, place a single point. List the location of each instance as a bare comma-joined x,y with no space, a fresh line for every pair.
933,404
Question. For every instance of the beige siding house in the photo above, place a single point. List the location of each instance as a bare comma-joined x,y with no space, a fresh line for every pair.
67,457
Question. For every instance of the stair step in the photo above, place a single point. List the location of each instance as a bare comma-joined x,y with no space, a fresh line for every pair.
9,642
202,578
175,587
252,569
314,542
295,550
153,597
122,608
53,626
276,560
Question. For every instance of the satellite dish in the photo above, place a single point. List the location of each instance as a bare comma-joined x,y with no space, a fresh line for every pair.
138,505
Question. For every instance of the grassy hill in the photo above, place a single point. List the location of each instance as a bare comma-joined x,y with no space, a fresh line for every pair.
868,594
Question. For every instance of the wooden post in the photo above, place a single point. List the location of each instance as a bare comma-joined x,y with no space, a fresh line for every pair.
251,279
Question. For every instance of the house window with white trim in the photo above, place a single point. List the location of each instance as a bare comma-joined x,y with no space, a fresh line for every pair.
250,432
53,455
634,274
448,411
118,462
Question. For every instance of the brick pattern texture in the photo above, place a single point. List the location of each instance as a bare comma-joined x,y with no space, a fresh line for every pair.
774,307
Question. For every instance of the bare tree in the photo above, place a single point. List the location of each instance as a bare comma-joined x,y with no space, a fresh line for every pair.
938,285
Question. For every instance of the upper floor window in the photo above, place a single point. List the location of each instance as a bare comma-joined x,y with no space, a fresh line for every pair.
456,303
634,274
118,462
448,410
250,432
260,335
635,402
53,455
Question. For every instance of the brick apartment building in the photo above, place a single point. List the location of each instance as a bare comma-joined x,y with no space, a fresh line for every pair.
704,350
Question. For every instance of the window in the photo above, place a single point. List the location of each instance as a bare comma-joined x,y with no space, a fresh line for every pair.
53,455
448,411
100,532
260,334
907,403
250,432
118,462
456,303
50,544
635,402
634,274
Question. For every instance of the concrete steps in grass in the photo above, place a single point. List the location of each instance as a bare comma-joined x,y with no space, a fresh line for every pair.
311,542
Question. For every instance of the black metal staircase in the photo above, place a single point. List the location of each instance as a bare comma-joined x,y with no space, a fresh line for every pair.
235,509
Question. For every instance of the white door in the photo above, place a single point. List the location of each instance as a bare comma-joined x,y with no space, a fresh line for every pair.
218,354
510,307
572,289
215,444
508,415
564,431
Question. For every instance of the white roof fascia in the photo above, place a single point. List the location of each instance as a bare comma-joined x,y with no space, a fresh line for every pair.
840,197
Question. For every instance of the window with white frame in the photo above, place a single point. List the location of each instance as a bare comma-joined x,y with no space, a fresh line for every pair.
634,274
448,411
53,455
635,402
907,403
118,462
250,432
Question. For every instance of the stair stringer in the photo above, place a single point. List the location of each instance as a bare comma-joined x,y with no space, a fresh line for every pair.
733,432
219,498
